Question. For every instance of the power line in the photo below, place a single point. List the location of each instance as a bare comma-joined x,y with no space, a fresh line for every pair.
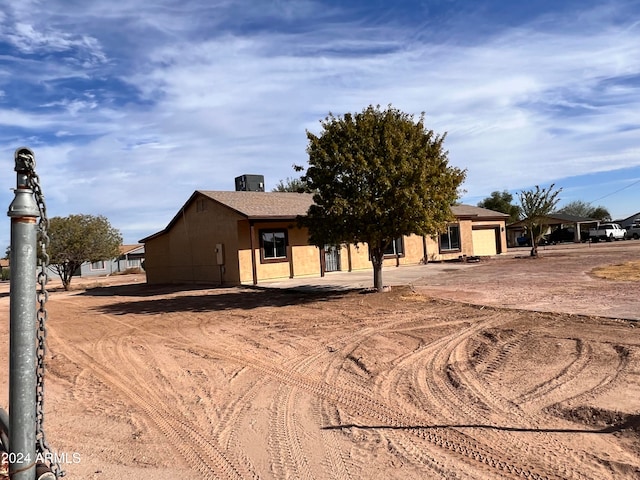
613,193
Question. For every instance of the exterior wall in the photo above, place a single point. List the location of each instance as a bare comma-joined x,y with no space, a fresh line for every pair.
436,254
501,229
157,258
88,270
359,255
356,257
116,265
187,252
302,259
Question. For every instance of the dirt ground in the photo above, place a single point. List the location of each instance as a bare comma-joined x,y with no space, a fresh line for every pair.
509,368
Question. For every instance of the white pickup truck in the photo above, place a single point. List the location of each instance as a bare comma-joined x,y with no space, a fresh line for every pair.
608,232
633,231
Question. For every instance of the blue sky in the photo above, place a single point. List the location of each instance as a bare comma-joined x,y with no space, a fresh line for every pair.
131,106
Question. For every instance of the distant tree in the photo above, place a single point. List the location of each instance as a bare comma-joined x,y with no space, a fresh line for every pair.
535,206
76,239
600,213
7,253
291,185
584,209
378,175
501,202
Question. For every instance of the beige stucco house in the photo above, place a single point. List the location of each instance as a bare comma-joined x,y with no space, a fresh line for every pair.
240,237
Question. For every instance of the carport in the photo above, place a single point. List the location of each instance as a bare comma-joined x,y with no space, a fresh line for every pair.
558,220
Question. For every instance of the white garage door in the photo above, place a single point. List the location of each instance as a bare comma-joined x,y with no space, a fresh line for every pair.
484,242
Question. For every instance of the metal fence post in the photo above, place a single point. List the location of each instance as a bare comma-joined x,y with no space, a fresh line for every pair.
22,328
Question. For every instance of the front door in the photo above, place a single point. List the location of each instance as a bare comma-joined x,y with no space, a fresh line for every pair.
331,258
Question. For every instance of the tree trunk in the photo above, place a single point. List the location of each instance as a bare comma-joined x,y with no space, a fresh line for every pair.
534,247
376,260
65,272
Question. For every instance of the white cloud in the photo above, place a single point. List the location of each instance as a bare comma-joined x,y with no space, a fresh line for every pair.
218,98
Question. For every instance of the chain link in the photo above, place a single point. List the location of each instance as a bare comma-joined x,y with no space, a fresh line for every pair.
42,446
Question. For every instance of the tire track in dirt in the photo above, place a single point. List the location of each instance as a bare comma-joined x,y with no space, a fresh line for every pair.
429,437
536,397
540,446
289,459
452,384
355,401
365,406
609,380
200,453
445,378
408,450
531,415
286,452
498,356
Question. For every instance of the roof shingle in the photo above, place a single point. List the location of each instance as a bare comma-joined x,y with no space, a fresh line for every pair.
471,211
263,204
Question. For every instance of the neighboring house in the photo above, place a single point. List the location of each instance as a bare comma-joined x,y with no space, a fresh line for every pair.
4,265
131,256
579,226
240,237
627,222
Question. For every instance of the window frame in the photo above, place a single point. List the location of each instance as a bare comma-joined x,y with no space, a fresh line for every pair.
104,265
267,259
397,241
448,248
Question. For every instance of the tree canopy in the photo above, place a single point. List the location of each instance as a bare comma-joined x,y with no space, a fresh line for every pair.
296,185
535,205
76,239
502,202
378,175
584,209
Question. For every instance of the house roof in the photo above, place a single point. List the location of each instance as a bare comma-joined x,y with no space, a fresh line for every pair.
125,249
477,212
629,220
289,205
258,205
4,262
251,205
559,219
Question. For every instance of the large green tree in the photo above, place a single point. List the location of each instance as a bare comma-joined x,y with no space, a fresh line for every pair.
378,175
76,239
502,202
535,206
584,209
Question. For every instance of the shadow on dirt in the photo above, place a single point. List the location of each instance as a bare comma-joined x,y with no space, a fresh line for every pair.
210,300
144,289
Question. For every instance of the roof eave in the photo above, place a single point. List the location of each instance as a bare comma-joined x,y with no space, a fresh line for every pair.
255,218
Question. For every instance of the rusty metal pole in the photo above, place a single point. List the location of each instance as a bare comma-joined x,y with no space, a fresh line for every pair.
22,328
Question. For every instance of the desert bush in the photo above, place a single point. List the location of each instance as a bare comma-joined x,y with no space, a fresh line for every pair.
132,270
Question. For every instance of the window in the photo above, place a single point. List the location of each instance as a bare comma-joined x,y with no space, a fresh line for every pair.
99,265
450,240
273,245
395,248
